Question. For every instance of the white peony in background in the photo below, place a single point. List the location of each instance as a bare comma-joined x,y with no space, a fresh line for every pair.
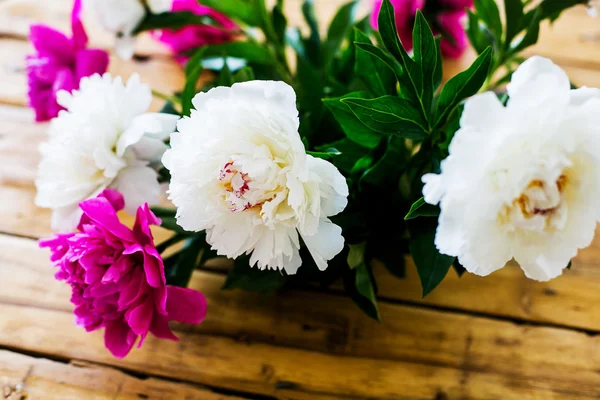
105,139
522,181
240,171
121,17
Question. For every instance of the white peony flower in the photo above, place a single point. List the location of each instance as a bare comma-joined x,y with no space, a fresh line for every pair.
121,17
240,171
522,181
105,139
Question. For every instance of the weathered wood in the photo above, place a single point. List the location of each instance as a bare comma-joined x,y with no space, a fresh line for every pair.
460,350
24,377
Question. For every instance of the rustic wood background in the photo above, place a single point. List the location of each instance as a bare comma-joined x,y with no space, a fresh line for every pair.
502,337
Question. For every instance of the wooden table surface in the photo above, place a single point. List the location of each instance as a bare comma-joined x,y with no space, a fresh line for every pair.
502,337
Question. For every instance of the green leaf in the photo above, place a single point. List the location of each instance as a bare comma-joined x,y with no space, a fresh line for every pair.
553,8
431,265
383,56
388,167
513,10
225,78
359,285
460,270
243,10
426,54
169,108
350,153
243,276
389,33
193,69
372,70
244,75
389,115
180,266
310,86
250,51
422,209
478,34
532,34
438,73
325,155
173,20
488,11
356,255
313,44
411,77
338,29
351,125
279,21
386,250
171,224
463,85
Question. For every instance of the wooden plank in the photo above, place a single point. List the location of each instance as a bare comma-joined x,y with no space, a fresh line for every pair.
244,331
163,74
24,377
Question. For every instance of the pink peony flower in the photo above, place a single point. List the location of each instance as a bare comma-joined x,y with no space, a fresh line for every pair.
444,16
117,276
192,37
59,63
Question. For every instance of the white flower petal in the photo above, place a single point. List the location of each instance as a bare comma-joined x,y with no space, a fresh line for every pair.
325,244
138,185
537,79
523,181
240,171
88,146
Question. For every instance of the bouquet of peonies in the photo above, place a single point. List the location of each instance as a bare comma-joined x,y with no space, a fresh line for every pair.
306,174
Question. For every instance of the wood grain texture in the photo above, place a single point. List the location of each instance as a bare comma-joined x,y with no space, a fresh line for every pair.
301,343
23,377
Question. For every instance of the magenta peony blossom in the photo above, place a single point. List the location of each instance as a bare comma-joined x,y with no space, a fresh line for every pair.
59,63
444,16
192,37
117,276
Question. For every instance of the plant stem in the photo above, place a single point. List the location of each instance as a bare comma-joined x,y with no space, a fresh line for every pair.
163,96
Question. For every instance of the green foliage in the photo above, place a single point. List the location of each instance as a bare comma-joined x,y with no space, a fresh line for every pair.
372,70
431,265
252,279
173,20
242,10
350,124
180,266
463,85
359,282
422,209
193,69
520,31
388,114
377,112
250,51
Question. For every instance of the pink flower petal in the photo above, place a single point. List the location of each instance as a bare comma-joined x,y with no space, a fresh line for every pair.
80,38
90,62
160,328
140,317
117,338
50,42
100,211
185,305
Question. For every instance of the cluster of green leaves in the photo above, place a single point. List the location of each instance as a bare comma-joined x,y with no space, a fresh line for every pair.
520,30
378,113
